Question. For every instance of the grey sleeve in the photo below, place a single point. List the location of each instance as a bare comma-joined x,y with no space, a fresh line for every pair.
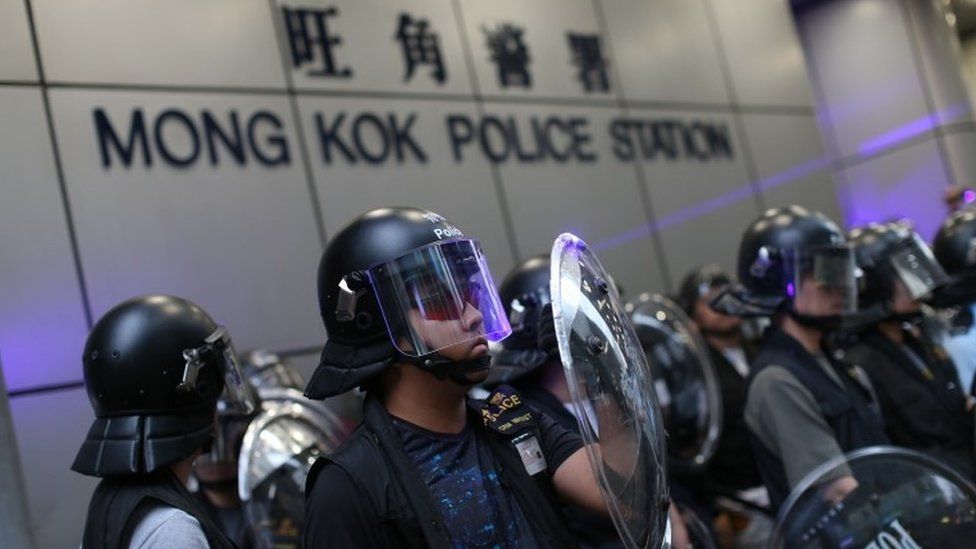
787,420
168,528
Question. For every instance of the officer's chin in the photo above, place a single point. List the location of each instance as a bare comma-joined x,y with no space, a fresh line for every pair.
477,376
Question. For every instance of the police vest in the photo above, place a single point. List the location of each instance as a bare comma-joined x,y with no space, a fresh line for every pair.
374,459
851,413
114,511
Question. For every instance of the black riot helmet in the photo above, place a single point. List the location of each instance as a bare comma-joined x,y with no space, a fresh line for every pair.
154,368
699,283
524,292
890,252
787,251
401,284
955,249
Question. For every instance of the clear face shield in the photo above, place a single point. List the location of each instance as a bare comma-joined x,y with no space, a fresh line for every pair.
823,280
237,402
917,268
440,296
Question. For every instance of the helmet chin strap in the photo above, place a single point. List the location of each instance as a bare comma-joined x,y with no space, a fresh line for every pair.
826,323
445,368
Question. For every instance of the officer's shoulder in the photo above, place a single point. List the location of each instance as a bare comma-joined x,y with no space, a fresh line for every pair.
163,525
352,455
770,380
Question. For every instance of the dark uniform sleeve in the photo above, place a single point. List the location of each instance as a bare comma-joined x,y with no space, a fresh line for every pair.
337,514
558,443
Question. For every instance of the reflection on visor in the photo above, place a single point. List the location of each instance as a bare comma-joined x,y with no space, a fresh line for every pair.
917,268
832,270
439,296
834,267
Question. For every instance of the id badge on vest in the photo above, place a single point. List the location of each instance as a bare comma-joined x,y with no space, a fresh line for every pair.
505,413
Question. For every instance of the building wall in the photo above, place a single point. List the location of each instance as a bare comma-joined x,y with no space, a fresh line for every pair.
892,106
968,57
89,218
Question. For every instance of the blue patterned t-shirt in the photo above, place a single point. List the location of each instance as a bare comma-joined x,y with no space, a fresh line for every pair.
463,480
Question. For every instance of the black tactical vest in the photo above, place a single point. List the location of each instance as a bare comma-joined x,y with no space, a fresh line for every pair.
115,510
375,460
851,412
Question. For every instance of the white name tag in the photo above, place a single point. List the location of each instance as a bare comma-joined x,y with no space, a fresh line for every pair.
531,453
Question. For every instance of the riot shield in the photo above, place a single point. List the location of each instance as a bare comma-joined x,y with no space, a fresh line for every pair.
613,393
280,445
879,497
686,383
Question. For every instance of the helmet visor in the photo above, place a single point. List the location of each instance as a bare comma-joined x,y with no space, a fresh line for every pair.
440,296
917,268
238,397
825,277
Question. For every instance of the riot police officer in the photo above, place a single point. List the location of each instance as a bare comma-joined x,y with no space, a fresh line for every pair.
409,307
732,470
529,361
955,248
916,383
154,368
803,405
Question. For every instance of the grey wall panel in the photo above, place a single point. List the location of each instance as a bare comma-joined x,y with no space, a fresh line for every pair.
708,238
239,239
869,81
938,49
702,201
907,183
960,150
16,48
791,163
178,42
306,363
461,190
665,51
42,322
968,55
687,182
370,49
599,201
50,428
544,25
763,49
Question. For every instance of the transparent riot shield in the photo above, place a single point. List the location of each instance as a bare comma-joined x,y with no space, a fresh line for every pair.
613,393
280,445
686,383
879,498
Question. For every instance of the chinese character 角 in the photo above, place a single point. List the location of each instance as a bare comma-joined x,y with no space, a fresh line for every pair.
588,58
510,54
420,46
309,37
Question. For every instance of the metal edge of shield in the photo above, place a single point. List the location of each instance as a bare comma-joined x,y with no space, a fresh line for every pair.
714,434
272,410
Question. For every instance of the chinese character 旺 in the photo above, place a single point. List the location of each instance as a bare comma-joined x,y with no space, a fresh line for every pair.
420,46
309,37
588,58
510,54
